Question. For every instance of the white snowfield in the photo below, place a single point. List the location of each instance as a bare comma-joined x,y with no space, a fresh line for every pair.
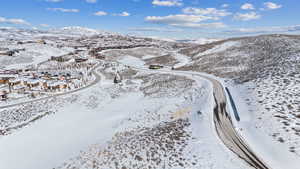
97,114
182,60
208,143
273,153
202,41
219,48
34,54
132,61
54,139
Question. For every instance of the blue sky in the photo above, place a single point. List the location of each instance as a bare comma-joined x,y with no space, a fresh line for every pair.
166,18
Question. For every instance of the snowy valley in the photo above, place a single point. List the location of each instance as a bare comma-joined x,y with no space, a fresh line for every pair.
78,98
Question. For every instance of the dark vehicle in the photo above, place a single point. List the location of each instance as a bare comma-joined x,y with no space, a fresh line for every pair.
155,67
78,60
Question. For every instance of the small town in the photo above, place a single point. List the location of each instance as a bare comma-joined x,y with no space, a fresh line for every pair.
62,73
56,75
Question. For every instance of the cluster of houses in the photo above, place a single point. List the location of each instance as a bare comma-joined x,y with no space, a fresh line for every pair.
26,82
20,84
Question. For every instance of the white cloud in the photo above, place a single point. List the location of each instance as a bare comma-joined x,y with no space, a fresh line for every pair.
264,30
192,18
14,21
122,14
125,14
206,11
178,19
63,10
201,25
247,16
271,6
247,6
167,2
100,13
225,6
91,1
186,21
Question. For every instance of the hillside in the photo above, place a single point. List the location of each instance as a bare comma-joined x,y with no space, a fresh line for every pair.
162,118
265,71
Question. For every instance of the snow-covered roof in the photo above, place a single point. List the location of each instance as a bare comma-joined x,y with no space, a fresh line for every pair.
42,80
56,83
18,87
8,75
15,80
33,81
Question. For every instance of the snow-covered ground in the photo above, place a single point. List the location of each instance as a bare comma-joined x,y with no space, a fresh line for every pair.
220,48
197,146
91,128
182,59
132,61
153,118
264,73
34,54
274,153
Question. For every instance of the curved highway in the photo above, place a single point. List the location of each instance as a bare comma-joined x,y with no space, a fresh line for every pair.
222,118
226,130
223,122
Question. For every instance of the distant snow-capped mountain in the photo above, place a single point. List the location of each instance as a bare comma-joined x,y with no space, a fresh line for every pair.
77,30
200,41
19,33
162,39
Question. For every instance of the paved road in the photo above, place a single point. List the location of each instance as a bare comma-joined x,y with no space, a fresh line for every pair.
223,122
226,130
222,119
93,71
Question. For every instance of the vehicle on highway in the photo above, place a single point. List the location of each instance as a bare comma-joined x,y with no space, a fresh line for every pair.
155,67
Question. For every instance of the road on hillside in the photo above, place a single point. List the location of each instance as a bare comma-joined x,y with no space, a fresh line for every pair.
223,122
222,118
227,132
